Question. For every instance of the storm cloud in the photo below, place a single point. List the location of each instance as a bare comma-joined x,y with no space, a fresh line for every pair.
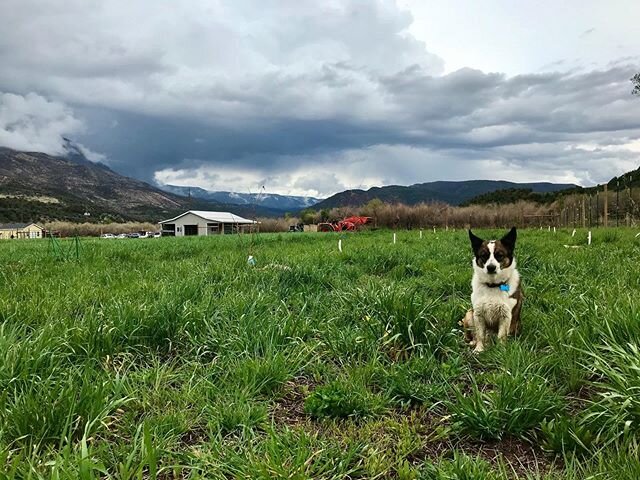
302,97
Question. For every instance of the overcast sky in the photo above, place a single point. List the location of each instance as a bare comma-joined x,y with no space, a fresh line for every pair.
311,98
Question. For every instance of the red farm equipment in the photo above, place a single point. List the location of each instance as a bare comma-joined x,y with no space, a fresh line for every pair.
349,224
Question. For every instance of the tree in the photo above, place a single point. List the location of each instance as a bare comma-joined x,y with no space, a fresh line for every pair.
372,208
308,216
636,84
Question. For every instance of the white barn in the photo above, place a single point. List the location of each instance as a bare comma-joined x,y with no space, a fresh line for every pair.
200,222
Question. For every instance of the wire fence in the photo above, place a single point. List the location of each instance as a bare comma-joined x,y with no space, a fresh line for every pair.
618,207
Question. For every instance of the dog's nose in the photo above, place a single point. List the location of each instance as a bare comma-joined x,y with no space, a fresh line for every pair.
491,268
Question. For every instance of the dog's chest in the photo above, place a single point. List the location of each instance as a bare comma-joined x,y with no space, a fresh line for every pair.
492,303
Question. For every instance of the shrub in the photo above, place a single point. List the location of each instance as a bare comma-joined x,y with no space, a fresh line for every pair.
514,406
339,399
564,434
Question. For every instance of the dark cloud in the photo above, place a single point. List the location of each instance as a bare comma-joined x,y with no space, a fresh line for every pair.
309,97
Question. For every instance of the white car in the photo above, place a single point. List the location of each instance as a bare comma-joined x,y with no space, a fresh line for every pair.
122,235
107,235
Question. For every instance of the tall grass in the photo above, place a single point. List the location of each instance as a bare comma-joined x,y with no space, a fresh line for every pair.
176,359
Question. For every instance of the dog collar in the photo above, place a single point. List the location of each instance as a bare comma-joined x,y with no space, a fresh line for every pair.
504,287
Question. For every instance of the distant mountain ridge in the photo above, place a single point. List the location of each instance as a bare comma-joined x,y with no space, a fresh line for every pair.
39,187
451,192
284,203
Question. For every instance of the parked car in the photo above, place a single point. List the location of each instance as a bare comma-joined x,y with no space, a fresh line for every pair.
157,235
133,235
122,235
107,235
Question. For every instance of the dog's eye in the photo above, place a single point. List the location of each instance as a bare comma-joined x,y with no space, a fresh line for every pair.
499,257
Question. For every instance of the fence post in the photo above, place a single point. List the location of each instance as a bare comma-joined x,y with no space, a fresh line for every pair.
617,203
606,206
584,216
629,203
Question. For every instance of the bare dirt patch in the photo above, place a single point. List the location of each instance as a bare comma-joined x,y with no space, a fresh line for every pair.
521,458
289,409
193,437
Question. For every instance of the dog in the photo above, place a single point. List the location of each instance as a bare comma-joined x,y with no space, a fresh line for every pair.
496,296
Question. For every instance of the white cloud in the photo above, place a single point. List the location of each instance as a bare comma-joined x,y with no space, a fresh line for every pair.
91,155
31,122
224,61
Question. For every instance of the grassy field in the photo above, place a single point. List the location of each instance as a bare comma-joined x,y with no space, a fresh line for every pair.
173,358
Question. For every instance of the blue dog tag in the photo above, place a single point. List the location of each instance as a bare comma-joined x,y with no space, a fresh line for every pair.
504,287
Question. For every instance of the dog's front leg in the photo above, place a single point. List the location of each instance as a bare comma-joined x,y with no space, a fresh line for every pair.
480,333
505,327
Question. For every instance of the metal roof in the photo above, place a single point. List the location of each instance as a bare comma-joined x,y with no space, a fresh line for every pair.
219,217
16,226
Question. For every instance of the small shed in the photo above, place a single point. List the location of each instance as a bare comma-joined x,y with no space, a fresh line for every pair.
21,230
200,222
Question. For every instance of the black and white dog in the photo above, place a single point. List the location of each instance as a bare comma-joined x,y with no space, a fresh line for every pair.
497,293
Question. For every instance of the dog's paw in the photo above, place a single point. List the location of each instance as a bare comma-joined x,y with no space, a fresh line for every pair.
478,349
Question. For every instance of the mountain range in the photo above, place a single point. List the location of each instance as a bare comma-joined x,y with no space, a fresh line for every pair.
283,203
36,186
39,187
453,193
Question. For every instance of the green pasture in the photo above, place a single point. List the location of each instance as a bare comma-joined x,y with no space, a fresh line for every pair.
174,358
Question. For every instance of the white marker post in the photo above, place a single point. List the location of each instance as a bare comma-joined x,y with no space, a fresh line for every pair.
549,227
574,233
589,238
420,233
554,229
434,230
340,245
394,238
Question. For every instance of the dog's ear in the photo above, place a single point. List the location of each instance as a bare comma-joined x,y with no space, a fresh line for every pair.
509,240
476,242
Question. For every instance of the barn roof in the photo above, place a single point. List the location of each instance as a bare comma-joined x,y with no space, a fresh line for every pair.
219,217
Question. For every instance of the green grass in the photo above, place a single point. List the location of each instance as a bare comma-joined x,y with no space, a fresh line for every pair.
173,358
